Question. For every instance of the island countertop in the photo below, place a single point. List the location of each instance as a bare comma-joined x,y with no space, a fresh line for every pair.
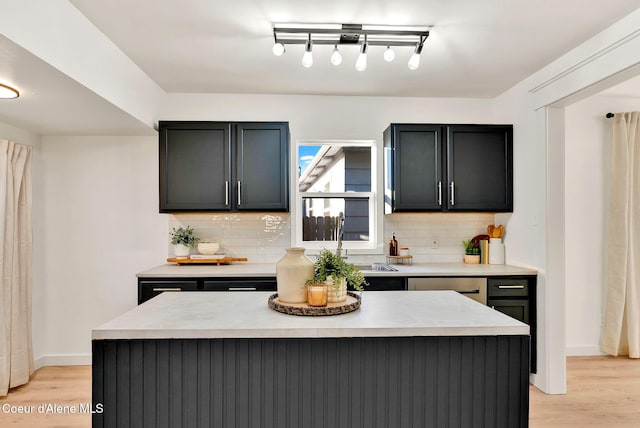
242,269
247,315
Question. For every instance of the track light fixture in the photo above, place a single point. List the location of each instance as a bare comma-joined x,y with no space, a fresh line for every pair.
350,34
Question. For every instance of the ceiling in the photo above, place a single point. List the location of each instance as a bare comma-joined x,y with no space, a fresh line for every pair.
476,49
55,103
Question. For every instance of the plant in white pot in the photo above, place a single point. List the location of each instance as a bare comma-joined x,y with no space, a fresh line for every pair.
471,251
182,239
336,273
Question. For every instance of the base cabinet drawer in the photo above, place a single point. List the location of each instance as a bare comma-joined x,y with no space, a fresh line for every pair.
498,287
150,289
246,284
379,283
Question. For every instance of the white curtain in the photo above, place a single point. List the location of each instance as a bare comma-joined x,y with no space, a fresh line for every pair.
621,334
16,354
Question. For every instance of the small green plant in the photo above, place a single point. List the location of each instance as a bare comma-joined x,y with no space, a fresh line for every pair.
330,265
471,248
184,236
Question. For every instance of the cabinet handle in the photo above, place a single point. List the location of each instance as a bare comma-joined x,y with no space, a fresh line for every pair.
470,292
242,288
518,287
239,190
226,193
167,289
440,193
453,193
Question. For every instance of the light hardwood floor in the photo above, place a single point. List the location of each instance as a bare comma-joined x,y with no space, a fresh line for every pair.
602,392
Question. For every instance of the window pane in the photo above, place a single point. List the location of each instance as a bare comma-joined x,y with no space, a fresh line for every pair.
334,168
320,219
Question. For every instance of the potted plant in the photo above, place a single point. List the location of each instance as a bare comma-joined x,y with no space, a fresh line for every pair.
471,251
182,240
336,273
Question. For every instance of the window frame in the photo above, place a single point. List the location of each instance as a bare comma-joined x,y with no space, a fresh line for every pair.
374,244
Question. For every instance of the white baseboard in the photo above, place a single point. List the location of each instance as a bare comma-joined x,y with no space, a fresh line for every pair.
583,351
63,360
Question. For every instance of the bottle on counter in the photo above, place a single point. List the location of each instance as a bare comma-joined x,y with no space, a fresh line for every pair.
393,246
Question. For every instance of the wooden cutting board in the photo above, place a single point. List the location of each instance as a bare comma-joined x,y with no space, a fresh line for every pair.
188,261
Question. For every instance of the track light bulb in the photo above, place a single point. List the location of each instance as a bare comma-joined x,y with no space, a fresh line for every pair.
336,56
414,61
278,49
389,54
361,62
307,58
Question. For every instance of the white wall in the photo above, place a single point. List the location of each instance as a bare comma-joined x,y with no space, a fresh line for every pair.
100,203
327,117
588,156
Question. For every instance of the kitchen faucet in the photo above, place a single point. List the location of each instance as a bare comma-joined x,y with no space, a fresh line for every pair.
339,231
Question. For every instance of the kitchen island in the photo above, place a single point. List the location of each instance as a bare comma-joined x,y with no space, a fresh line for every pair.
404,359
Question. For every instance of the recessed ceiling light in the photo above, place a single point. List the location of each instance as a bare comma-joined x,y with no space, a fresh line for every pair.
7,92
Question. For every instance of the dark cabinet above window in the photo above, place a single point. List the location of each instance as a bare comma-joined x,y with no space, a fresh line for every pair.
439,167
224,166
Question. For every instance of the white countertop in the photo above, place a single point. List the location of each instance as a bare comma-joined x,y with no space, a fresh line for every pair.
245,269
247,315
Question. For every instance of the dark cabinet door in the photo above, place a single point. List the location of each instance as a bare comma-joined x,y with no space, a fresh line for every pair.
480,168
195,169
148,289
416,165
515,308
262,167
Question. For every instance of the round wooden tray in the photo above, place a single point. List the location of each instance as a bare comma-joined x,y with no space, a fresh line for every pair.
351,304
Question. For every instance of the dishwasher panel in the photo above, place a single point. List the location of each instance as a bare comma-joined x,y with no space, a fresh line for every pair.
474,288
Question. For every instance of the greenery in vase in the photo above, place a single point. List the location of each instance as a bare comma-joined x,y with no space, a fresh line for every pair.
471,248
330,265
184,236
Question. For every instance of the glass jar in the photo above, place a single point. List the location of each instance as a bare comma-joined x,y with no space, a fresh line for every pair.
317,295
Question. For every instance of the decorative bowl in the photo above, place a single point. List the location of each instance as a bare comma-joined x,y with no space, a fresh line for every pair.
208,248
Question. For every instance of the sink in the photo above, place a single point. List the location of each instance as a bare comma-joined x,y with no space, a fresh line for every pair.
376,267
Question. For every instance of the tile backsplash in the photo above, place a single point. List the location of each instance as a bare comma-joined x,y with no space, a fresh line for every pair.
263,237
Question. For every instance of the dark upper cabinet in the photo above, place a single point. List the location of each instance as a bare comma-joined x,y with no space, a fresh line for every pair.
480,167
414,170
262,167
224,166
195,166
438,167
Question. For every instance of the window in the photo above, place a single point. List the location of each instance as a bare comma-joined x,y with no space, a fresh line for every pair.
334,180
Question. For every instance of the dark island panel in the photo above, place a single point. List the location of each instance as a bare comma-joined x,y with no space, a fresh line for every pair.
462,381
